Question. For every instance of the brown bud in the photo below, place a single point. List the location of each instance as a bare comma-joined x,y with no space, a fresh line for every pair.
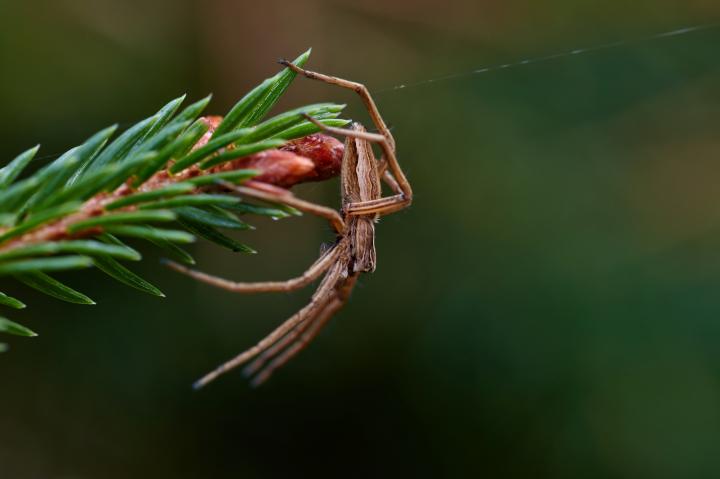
311,158
325,152
279,168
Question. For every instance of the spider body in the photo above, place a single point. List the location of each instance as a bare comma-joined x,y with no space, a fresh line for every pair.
360,182
352,253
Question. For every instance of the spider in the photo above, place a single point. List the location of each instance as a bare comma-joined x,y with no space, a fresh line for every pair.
352,253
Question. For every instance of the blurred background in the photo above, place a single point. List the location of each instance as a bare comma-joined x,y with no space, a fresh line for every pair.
549,306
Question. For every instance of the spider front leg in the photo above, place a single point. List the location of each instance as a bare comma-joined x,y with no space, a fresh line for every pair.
358,88
393,177
274,194
403,198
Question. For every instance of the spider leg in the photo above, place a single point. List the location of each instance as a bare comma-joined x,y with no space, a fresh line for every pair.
381,206
286,341
318,300
309,333
387,143
311,274
358,88
310,330
388,177
382,167
277,195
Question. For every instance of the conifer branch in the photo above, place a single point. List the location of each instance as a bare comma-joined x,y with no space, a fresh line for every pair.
171,168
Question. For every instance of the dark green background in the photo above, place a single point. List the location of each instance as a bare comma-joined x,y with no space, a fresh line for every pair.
549,307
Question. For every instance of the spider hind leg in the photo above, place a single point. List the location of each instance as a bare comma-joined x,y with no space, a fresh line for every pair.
296,341
311,310
280,354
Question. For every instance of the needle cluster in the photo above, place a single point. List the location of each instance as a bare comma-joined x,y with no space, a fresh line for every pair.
164,180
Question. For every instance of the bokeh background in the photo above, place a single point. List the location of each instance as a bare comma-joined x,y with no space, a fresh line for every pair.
549,307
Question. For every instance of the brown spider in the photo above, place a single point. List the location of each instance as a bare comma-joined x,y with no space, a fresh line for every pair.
352,253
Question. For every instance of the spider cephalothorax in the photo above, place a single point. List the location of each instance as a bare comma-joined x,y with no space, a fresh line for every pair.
353,251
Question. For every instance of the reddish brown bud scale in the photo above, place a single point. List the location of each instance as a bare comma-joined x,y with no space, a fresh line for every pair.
212,123
279,168
324,151
311,158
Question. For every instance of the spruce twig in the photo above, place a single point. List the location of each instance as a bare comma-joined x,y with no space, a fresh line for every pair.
168,168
